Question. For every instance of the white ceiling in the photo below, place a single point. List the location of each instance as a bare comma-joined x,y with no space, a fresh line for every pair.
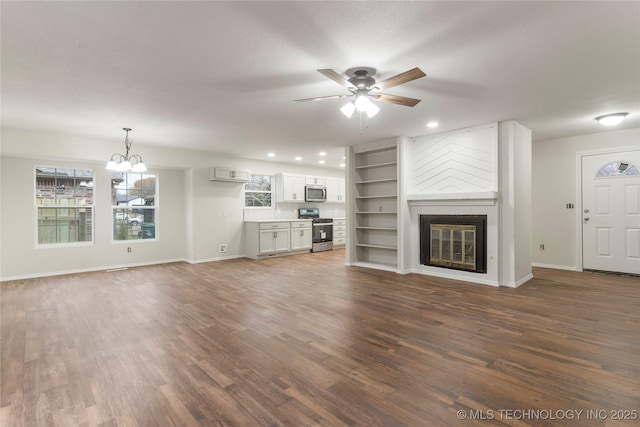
222,76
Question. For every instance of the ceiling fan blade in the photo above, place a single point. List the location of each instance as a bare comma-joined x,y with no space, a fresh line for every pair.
320,98
337,78
401,78
395,99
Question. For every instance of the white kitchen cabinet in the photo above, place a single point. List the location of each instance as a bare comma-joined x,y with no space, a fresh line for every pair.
290,188
315,180
272,241
276,238
335,189
339,232
301,235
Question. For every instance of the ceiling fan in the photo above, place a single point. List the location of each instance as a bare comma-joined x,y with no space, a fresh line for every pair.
364,88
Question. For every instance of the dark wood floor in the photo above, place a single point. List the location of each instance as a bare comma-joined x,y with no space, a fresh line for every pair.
304,340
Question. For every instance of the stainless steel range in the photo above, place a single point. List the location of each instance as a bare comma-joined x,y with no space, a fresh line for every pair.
322,239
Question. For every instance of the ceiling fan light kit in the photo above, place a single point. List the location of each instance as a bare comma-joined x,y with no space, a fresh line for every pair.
348,109
364,89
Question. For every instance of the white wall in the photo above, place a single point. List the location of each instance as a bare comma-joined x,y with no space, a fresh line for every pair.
515,204
195,214
462,161
22,258
554,185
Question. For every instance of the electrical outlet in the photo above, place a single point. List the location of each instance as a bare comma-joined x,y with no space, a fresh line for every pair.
223,248
542,246
129,249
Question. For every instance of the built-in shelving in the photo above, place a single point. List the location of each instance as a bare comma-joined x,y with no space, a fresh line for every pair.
382,196
377,165
376,212
375,202
373,181
377,228
365,245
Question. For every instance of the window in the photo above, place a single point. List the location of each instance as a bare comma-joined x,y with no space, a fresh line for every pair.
617,169
64,205
134,205
257,192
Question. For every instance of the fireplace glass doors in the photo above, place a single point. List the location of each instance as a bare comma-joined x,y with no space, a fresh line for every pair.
454,241
453,246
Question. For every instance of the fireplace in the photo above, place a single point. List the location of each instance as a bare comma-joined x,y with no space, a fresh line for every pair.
458,242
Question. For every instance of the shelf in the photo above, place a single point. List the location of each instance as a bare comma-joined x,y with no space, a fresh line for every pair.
384,196
376,212
378,180
365,245
378,266
377,165
378,228
375,184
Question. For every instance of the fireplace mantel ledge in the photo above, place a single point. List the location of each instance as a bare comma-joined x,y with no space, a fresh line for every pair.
482,195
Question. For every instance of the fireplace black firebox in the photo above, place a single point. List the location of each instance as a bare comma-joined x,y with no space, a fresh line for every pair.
458,242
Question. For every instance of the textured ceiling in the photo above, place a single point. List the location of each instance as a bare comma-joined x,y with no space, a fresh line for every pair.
222,76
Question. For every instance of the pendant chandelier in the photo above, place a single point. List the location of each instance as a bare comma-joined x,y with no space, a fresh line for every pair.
126,162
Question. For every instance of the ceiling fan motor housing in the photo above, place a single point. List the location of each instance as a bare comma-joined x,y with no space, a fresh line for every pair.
362,80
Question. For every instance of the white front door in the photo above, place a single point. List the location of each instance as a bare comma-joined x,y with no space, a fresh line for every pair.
611,212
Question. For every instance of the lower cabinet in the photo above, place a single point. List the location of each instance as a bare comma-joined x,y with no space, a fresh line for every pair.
301,235
339,232
274,241
267,239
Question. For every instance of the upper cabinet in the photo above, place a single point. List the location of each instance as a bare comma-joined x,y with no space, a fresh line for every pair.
335,189
315,180
290,187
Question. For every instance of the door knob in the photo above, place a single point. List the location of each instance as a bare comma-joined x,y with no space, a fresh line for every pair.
586,219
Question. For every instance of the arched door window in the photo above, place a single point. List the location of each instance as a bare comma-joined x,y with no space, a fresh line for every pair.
618,169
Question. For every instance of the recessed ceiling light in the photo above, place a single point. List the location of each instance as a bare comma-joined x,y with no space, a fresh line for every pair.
271,154
342,165
432,124
298,158
611,119
321,162
322,153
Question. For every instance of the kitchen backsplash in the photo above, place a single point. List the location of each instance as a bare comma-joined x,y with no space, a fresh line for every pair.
290,211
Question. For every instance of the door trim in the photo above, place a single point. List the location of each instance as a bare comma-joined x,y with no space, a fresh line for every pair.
579,156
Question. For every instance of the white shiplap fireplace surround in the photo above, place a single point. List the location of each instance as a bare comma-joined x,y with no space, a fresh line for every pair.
483,170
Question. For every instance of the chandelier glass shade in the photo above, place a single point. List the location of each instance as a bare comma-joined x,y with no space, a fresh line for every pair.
126,162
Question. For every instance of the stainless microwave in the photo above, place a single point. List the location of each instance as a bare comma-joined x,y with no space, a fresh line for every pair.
315,193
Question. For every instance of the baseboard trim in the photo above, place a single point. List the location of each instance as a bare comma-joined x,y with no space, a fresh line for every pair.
220,258
455,277
88,270
554,266
518,283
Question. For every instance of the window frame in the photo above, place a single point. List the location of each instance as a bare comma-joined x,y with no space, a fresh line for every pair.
36,208
272,192
154,207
